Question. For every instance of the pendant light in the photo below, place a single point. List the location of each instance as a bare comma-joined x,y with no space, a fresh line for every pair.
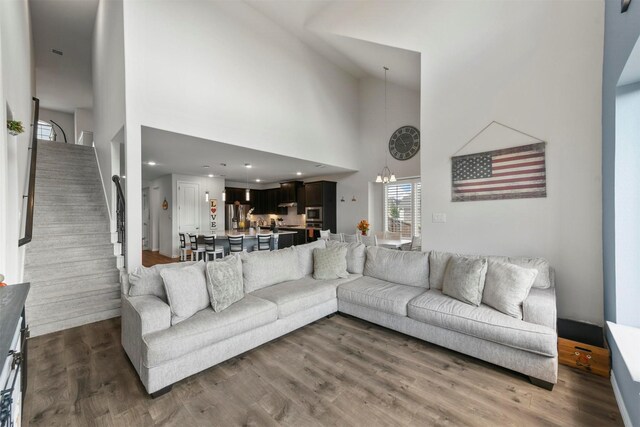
247,193
385,175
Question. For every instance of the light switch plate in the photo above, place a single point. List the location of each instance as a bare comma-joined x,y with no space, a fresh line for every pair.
439,217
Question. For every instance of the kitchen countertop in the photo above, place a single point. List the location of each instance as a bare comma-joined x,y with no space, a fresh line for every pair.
248,233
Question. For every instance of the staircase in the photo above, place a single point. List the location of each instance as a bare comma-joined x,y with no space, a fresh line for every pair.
70,260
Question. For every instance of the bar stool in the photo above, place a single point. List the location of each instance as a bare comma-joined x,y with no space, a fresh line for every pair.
184,247
264,242
236,244
211,249
195,250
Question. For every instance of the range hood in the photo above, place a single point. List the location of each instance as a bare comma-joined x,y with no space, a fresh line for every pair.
288,205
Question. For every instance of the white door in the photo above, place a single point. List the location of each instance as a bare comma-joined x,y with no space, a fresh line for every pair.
188,207
146,219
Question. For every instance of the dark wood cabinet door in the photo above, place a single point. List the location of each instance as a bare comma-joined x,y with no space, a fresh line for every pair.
301,200
272,200
313,194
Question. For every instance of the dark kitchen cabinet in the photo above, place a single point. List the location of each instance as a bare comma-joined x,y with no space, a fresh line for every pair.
301,201
313,193
289,191
323,194
233,195
258,202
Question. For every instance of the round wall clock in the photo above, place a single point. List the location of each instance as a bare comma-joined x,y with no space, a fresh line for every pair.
404,143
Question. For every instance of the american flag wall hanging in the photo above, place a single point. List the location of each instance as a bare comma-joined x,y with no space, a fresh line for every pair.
511,173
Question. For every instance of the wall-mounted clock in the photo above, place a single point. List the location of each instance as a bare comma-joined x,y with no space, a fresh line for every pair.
404,143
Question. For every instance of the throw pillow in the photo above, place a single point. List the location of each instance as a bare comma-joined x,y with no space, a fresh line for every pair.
464,279
305,256
186,291
224,282
147,280
355,255
330,263
507,286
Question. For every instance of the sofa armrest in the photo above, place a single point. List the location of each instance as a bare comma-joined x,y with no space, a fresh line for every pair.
540,307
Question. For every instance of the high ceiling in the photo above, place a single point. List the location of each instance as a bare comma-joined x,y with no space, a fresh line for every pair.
63,82
182,154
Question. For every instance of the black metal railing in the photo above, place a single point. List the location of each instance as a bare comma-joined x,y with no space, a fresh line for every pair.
120,217
31,189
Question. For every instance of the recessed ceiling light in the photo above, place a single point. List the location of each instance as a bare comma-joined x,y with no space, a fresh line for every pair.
151,163
210,175
206,166
248,165
258,180
298,173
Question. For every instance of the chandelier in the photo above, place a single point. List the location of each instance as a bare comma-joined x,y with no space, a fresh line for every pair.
385,175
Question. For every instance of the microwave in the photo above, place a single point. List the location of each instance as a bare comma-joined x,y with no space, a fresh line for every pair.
314,214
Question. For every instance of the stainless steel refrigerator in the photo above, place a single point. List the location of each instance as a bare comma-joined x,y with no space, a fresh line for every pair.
236,217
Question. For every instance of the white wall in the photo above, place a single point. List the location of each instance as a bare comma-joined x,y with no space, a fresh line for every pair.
108,89
83,121
235,77
65,120
627,177
536,66
16,90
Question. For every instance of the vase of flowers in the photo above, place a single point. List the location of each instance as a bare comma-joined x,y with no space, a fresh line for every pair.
363,226
15,127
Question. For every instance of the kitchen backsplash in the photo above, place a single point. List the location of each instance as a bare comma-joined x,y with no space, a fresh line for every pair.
291,218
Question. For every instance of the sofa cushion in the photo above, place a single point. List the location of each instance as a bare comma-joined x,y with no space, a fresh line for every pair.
355,255
224,282
305,256
206,328
464,279
186,290
437,309
438,263
379,294
506,287
265,268
298,295
147,280
330,263
403,267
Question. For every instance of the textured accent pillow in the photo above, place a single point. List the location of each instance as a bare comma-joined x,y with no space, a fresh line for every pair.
305,256
265,268
186,291
464,279
330,263
409,268
507,286
355,255
147,280
224,282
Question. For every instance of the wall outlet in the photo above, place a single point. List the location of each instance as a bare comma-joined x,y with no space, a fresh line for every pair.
439,217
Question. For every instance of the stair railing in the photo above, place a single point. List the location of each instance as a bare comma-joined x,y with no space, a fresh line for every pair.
120,217
31,189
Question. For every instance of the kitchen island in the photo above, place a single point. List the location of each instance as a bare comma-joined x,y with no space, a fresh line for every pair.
282,239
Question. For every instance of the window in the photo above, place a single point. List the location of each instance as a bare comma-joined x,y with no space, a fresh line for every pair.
402,211
45,131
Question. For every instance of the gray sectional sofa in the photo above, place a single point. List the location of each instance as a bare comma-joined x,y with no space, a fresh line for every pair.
396,289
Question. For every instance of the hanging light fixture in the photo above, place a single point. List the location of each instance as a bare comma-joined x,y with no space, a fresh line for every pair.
206,196
224,194
247,193
385,175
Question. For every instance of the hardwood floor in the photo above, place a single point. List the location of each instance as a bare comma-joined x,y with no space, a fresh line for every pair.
336,371
151,258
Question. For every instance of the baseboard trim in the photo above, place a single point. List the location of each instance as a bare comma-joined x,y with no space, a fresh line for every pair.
623,409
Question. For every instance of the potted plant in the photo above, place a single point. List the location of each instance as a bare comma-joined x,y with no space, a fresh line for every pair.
15,127
363,226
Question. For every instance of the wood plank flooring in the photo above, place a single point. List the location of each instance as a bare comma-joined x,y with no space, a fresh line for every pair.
151,258
337,371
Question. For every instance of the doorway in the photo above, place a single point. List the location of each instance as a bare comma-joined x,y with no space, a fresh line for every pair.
188,207
146,219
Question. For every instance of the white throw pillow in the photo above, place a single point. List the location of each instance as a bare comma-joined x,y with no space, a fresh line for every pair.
355,255
464,279
224,282
186,291
330,263
507,286
305,256
147,280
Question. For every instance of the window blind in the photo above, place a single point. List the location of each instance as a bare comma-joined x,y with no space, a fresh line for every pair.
402,201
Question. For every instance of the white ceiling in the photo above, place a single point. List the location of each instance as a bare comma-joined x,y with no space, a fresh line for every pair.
357,57
183,154
63,83
631,72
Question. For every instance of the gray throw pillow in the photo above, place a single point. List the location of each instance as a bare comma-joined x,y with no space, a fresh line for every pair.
330,263
305,256
464,279
186,291
224,282
147,280
507,286
355,255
